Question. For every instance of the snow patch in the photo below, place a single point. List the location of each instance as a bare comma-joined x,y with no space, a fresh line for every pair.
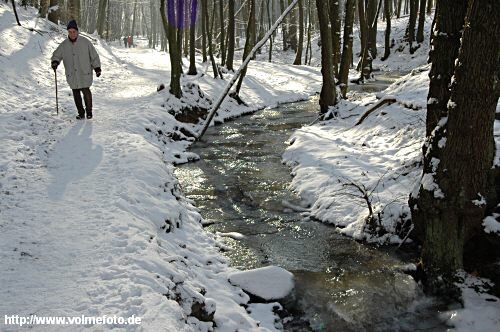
268,283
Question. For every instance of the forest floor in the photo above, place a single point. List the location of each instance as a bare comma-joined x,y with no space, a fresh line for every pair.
93,221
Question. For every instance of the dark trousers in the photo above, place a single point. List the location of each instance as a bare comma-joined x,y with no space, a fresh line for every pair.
87,97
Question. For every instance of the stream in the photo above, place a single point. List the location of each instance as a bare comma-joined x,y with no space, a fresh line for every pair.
341,285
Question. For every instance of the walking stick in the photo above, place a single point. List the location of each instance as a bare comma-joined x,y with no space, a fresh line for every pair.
57,100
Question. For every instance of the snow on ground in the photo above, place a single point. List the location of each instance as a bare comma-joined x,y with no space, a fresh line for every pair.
93,221
268,283
333,162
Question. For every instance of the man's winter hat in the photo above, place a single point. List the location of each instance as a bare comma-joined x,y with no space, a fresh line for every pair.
72,25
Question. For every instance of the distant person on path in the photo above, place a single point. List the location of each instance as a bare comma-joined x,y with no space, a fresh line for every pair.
125,41
130,41
79,57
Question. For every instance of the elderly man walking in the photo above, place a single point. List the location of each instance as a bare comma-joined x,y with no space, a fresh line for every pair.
79,57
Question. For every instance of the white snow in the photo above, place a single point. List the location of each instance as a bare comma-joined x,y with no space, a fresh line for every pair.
491,225
481,310
268,283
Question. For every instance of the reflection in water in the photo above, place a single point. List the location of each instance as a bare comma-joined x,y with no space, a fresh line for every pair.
341,285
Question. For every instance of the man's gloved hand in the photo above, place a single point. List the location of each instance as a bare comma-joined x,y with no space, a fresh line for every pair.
54,65
97,71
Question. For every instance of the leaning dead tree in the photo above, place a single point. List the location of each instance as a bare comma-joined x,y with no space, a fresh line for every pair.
243,66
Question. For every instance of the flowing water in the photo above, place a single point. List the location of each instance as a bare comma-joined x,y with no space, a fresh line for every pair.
341,285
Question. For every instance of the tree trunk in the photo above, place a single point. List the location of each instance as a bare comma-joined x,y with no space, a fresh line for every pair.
467,154
54,11
271,40
179,26
222,33
101,17
328,94
309,28
398,10
387,13
445,42
192,31
298,55
134,15
44,7
292,30
284,27
365,60
171,31
209,41
421,22
231,33
345,61
249,42
411,23
335,27
204,4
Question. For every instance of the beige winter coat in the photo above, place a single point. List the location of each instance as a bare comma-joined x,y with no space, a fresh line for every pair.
80,58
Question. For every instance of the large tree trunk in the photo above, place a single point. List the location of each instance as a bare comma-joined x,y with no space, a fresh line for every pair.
445,43
345,62
461,173
328,95
298,55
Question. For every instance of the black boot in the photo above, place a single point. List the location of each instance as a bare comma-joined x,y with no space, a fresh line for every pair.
80,116
89,115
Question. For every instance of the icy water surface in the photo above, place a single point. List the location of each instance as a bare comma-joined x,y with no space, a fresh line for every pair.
341,285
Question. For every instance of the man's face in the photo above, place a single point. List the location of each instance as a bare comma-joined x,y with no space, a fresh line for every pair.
72,33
